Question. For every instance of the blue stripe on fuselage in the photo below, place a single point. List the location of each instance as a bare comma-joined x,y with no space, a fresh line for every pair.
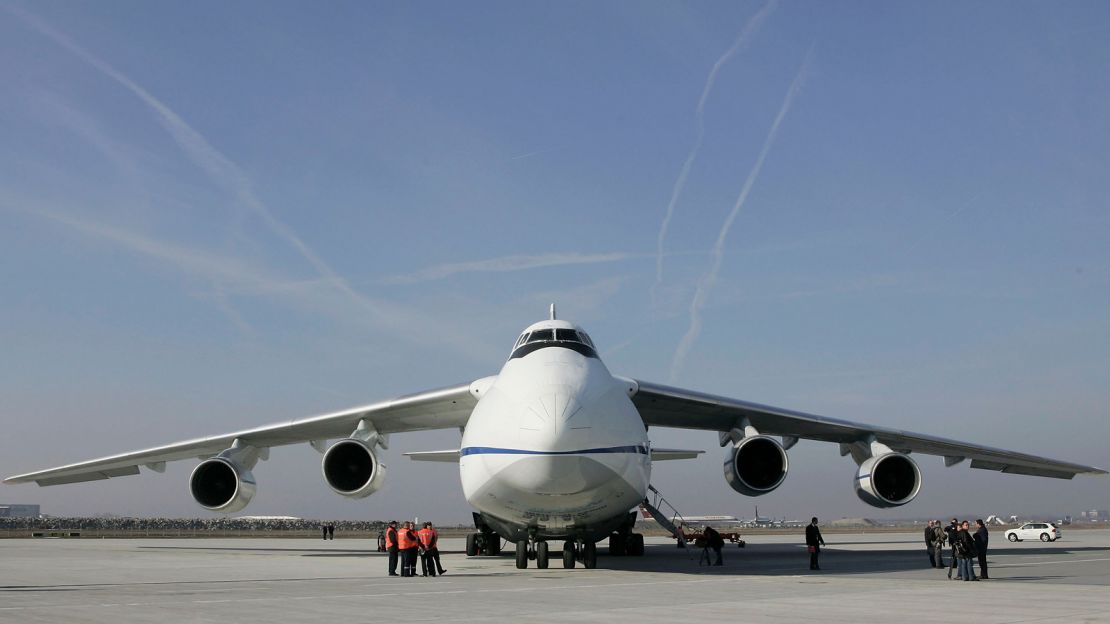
489,450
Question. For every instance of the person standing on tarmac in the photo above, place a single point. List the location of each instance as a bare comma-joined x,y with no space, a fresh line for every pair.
814,542
429,544
408,543
952,532
981,536
965,549
392,546
929,545
714,540
939,537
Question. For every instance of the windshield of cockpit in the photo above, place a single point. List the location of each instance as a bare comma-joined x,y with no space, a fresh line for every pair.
541,338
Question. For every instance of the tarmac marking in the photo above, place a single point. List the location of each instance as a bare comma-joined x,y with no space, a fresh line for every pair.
1057,561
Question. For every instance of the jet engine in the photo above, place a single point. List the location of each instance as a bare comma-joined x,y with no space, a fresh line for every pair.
888,480
756,465
352,469
221,484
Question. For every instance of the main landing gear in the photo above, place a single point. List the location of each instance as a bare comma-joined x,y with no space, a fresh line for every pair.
574,552
483,543
579,551
529,549
626,544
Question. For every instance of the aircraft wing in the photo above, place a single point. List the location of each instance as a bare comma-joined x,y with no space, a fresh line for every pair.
435,409
664,406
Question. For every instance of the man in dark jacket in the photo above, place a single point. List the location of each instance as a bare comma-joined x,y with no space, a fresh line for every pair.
814,542
714,540
981,538
929,539
965,550
952,530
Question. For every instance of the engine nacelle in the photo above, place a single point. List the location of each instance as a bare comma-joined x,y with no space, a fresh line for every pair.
756,465
220,484
888,480
352,469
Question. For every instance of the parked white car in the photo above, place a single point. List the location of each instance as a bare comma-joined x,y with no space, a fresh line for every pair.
1044,531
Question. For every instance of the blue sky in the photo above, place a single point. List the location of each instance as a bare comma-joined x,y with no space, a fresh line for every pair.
218,215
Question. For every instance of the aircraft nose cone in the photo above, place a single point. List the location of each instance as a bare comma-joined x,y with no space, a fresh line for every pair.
557,474
552,415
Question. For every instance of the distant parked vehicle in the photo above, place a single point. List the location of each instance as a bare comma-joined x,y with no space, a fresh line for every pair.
1044,531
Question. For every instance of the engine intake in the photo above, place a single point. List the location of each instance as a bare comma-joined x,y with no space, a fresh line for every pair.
756,465
220,484
888,480
352,469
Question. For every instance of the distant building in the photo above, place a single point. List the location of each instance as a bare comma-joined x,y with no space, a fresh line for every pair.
1096,515
19,511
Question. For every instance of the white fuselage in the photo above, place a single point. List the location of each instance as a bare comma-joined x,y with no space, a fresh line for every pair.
554,444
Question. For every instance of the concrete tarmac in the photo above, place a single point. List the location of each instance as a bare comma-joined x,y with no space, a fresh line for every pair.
864,577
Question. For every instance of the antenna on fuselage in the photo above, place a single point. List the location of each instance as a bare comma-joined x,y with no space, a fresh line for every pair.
553,311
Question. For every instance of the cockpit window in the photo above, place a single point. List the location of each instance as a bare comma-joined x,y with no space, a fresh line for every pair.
543,338
540,335
567,334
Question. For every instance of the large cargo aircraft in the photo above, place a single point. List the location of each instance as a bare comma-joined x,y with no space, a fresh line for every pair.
555,448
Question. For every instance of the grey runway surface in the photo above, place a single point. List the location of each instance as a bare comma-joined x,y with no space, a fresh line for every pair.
873,577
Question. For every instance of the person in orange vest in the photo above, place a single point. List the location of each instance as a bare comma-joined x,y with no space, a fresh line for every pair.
429,542
391,546
408,542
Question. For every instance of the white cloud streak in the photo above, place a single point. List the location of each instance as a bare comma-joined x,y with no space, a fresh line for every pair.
314,296
709,280
750,27
507,264
226,173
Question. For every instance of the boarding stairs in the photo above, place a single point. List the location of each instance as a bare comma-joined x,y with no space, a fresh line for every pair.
673,523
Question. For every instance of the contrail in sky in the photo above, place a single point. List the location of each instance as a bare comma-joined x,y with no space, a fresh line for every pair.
218,166
753,24
705,285
509,263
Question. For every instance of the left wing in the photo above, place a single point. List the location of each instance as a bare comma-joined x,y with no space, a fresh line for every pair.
664,406
434,409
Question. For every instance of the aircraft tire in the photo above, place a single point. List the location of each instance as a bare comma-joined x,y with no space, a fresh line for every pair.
471,544
522,554
617,545
541,555
636,545
568,555
589,555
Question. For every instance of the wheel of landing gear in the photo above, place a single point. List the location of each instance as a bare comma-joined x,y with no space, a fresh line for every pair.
494,544
568,555
636,545
522,554
617,546
589,555
471,544
541,555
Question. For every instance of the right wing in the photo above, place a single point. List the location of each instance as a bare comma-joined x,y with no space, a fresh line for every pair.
665,406
435,409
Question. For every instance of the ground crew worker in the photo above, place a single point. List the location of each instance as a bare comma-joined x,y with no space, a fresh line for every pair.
408,543
429,543
392,546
